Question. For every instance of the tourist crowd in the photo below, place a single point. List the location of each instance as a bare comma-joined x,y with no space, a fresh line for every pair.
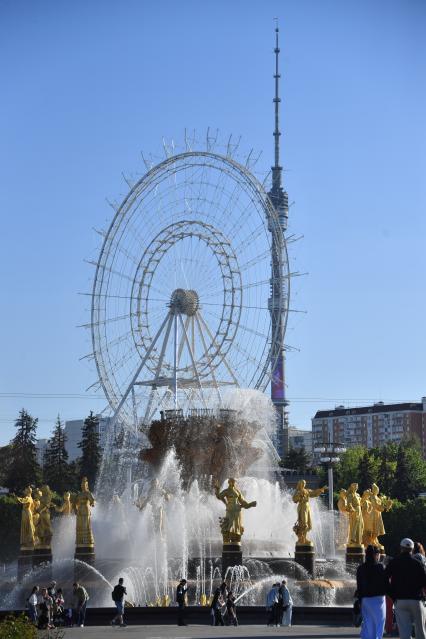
393,597
47,608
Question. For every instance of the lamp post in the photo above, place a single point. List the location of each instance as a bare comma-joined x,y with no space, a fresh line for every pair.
330,456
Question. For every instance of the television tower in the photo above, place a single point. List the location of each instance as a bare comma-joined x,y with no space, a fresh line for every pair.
279,199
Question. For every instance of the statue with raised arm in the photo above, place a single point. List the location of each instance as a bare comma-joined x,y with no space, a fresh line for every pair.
83,506
156,497
379,505
356,522
36,511
232,524
27,524
303,524
367,517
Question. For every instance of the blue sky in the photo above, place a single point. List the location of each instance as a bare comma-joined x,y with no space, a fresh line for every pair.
87,85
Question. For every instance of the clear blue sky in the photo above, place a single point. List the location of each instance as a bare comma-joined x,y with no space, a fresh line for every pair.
87,85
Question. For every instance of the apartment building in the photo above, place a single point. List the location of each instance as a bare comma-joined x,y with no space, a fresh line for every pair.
371,426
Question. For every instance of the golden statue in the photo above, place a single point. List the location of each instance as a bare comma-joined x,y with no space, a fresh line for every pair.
356,524
379,505
36,513
304,520
156,497
44,526
27,524
66,508
367,517
231,525
84,502
343,527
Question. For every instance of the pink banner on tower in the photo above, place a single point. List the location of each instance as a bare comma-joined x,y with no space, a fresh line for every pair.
277,381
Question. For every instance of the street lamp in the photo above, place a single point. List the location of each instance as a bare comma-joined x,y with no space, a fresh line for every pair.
330,452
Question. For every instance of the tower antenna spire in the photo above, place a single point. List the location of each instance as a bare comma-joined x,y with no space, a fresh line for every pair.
277,169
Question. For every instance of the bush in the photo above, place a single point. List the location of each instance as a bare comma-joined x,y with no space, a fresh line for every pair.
405,520
17,628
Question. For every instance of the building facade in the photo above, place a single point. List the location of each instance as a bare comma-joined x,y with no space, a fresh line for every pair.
299,438
73,432
371,426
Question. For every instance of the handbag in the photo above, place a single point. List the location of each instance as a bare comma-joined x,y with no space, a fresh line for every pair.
356,613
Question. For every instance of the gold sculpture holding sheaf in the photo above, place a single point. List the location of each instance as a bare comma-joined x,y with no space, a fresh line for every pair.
356,523
44,526
343,526
232,524
27,523
367,518
304,519
66,507
36,512
379,505
83,506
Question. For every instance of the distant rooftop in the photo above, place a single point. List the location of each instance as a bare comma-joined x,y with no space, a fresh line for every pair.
379,407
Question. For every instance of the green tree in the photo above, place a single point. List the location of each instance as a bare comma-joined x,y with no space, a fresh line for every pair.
387,467
410,473
346,471
404,520
10,526
90,449
23,467
296,459
56,470
5,452
367,471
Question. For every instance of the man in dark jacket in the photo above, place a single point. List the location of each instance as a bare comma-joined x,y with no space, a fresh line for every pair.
408,578
181,601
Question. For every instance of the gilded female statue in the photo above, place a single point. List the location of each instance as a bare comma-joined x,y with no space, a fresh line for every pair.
27,524
44,526
304,520
84,503
66,507
367,517
343,527
232,524
35,509
356,524
379,505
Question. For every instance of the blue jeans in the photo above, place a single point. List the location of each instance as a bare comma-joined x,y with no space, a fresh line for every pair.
81,614
32,612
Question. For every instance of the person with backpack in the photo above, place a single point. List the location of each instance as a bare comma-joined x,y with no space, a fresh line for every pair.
118,598
286,607
81,598
372,585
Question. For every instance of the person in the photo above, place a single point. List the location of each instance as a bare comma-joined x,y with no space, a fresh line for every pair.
372,586
216,606
59,611
118,598
52,589
181,601
408,578
32,604
286,608
224,590
419,553
45,608
81,598
231,610
271,605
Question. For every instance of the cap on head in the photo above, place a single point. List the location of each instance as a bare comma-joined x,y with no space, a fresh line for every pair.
407,543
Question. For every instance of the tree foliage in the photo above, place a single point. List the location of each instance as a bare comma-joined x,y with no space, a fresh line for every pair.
296,459
56,470
410,473
23,467
90,449
10,526
367,471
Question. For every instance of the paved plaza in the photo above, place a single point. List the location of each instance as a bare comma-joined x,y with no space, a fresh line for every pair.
207,632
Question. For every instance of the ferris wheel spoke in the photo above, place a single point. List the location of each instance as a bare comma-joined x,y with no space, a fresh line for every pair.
224,360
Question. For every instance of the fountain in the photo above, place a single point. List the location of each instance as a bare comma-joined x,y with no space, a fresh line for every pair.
171,522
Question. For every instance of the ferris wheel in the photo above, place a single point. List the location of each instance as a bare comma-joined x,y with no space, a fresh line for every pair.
182,293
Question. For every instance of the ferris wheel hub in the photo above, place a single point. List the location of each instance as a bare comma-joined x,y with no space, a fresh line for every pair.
183,301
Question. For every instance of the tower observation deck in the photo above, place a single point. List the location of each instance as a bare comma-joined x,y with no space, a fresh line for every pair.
279,199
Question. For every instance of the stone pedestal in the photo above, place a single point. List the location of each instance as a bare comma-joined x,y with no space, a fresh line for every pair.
305,556
232,555
25,563
355,555
85,553
43,556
